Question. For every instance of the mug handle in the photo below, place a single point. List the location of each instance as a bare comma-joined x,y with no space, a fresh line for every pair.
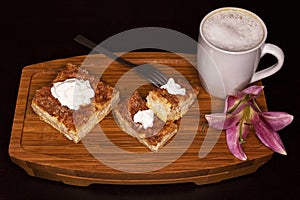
275,51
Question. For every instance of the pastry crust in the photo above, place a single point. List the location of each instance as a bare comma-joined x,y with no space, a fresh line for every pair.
155,137
74,124
170,107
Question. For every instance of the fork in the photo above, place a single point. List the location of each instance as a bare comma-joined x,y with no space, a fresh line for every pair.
155,76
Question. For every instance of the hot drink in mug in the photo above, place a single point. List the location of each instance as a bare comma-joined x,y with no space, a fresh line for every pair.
230,46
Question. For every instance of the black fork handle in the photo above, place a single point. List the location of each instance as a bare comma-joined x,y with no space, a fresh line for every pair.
86,42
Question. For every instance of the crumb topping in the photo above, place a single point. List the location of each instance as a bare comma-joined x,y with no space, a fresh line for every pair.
136,103
73,118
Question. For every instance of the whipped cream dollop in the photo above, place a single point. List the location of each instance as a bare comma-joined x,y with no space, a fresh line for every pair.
73,92
173,88
145,117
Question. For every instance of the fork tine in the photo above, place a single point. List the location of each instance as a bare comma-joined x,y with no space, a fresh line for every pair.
154,75
154,83
159,77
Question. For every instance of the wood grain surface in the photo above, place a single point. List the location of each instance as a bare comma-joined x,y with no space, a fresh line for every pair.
107,155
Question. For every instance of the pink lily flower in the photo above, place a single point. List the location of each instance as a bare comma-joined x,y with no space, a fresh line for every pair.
241,114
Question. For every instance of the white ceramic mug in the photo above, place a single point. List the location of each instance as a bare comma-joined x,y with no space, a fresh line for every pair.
230,46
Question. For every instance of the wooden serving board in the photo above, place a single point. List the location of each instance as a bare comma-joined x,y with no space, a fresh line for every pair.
107,155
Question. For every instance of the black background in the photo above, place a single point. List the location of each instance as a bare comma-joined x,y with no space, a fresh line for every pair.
33,32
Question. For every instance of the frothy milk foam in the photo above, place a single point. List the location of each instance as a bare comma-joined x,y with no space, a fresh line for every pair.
233,30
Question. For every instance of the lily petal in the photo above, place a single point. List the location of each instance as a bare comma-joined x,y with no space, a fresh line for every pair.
233,105
222,120
233,142
253,90
231,102
276,120
268,136
253,104
246,130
